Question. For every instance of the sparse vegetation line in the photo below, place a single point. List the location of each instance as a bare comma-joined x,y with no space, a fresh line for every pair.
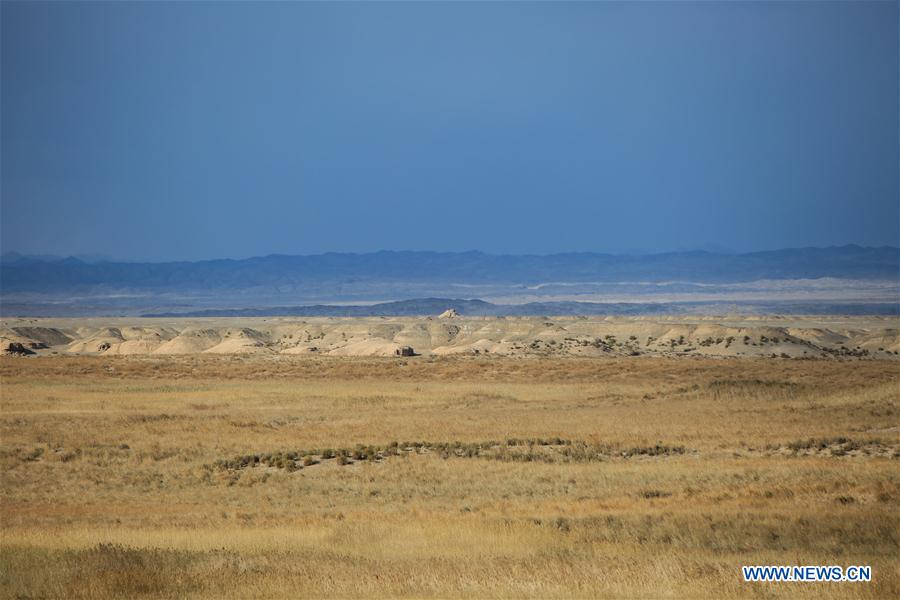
514,449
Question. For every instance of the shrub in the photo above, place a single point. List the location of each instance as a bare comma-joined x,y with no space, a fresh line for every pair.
655,494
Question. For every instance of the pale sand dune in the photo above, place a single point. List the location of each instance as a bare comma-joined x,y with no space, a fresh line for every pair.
371,347
481,346
139,340
241,341
732,336
239,346
99,341
190,341
301,349
133,347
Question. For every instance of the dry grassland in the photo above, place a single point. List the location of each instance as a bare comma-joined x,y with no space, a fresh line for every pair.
212,477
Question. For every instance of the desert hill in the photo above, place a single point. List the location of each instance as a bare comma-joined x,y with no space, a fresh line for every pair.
747,336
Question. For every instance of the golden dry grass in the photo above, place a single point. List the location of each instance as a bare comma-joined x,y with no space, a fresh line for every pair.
110,486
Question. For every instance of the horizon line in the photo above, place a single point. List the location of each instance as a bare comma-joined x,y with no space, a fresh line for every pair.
91,258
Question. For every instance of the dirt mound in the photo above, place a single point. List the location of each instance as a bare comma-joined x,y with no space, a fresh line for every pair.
48,336
372,347
9,337
190,341
101,341
481,346
417,335
241,341
129,347
301,349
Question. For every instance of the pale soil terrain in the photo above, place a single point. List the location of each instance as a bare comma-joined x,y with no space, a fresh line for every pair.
270,475
736,336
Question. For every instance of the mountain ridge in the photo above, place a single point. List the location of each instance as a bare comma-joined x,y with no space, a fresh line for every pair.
27,274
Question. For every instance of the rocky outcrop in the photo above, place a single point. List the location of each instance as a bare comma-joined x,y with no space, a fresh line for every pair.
16,348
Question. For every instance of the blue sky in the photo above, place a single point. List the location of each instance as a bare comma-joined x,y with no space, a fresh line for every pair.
164,131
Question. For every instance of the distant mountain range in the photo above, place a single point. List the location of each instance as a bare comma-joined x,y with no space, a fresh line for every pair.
50,275
846,280
480,308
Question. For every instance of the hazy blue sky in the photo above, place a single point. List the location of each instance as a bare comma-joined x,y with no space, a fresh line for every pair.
198,130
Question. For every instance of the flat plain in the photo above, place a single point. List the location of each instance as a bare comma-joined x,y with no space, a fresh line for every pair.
263,475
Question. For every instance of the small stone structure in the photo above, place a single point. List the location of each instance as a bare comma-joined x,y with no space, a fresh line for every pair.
405,351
